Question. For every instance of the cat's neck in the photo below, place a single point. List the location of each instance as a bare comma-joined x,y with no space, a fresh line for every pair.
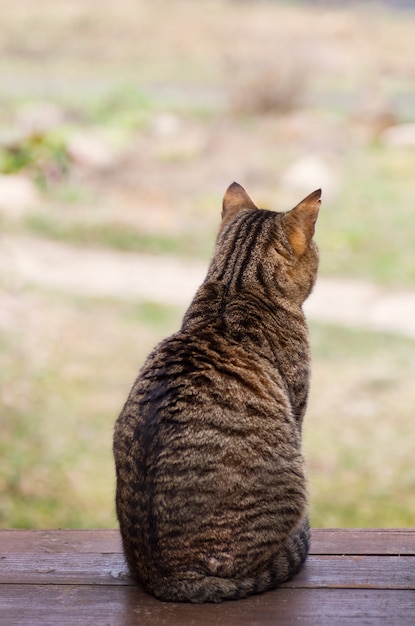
242,315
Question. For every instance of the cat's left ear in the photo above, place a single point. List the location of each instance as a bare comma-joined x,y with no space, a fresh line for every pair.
236,199
301,220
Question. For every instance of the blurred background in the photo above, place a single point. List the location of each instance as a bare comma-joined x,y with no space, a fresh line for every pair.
121,125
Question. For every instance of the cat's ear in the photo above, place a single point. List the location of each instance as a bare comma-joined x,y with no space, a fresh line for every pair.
235,199
301,220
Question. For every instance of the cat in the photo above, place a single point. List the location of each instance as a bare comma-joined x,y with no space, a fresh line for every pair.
211,491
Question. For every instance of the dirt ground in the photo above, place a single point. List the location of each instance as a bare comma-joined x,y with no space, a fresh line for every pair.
29,261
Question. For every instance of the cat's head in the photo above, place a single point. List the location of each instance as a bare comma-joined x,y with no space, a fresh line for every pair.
265,250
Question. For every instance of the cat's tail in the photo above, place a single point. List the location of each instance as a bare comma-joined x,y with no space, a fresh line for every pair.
193,586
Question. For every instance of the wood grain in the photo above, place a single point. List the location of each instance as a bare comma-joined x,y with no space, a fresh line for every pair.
80,605
370,572
79,577
374,541
323,541
66,541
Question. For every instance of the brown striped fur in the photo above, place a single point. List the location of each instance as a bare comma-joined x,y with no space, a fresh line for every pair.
211,491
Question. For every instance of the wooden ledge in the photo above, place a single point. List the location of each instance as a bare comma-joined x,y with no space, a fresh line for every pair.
79,577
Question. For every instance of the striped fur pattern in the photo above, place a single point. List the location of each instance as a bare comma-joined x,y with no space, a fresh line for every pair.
211,490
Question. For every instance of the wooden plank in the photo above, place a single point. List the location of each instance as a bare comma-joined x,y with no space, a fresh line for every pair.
324,541
125,606
60,569
359,572
98,541
393,541
370,572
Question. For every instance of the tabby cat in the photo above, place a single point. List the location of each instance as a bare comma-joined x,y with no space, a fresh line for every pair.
211,491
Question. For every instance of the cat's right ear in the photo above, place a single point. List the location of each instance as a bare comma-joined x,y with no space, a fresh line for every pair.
236,199
301,220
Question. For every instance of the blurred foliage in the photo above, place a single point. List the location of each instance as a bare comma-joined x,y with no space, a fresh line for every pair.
43,156
43,151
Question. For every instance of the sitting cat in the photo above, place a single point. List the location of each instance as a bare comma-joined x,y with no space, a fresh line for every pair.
211,491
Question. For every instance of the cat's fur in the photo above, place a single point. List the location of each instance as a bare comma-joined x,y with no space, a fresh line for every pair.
211,492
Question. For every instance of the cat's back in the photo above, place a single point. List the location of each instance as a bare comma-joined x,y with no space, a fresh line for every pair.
209,443
204,392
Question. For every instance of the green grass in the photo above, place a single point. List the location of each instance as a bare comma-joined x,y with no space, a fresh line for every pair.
68,364
120,236
358,430
65,374
367,231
